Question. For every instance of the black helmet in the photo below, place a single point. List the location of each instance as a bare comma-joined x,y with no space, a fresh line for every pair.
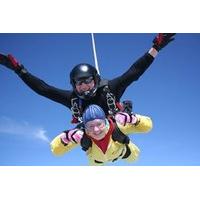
83,71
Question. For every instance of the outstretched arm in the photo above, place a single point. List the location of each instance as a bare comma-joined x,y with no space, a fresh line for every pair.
39,86
119,84
66,141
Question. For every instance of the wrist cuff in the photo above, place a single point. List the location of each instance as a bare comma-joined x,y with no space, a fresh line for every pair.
21,70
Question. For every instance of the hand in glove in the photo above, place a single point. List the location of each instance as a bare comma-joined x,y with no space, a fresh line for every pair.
124,118
73,136
10,62
162,40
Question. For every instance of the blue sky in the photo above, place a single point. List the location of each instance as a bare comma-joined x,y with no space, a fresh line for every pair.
167,92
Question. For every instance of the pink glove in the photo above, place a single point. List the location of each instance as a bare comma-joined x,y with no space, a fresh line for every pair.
73,135
124,118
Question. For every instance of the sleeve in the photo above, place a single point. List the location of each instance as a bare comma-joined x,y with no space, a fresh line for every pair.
144,125
59,148
119,84
50,92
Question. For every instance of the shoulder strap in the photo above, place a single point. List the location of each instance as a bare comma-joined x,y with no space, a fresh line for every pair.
86,142
119,136
103,83
76,108
110,98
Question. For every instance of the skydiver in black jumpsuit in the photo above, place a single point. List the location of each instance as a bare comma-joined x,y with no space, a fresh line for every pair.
84,74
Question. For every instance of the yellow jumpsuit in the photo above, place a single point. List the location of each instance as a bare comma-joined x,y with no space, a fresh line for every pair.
115,149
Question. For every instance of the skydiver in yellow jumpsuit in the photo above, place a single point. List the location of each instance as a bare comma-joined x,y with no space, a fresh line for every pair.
104,140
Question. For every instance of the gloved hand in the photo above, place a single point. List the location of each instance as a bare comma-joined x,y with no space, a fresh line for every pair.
10,62
74,136
124,118
162,39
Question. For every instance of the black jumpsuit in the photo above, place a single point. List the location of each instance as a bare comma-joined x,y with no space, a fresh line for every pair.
117,85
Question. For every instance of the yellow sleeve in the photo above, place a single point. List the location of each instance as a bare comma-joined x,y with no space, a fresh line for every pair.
58,148
145,125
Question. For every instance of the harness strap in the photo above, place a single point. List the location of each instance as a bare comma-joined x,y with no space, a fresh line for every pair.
86,142
128,152
76,103
120,137
110,100
99,162
76,110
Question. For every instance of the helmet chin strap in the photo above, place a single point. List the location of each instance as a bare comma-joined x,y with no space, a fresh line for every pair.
88,94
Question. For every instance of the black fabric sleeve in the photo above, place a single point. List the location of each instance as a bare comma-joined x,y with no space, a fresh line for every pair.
119,84
50,92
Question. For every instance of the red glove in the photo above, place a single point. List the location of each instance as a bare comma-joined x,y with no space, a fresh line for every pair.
162,40
10,62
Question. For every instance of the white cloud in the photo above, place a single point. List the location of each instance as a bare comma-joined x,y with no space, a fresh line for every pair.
23,128
41,134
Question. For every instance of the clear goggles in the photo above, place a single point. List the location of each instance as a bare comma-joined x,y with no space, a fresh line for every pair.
100,123
84,80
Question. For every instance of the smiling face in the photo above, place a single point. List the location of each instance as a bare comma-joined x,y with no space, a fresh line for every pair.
96,129
84,85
